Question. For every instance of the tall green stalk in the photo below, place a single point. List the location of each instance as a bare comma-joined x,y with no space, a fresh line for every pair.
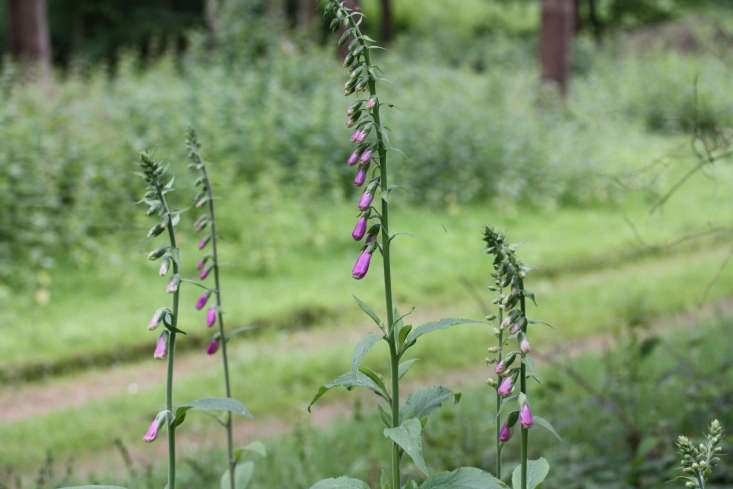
523,386
228,422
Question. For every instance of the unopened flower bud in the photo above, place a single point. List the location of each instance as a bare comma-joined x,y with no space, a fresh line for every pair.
157,253
172,285
366,201
514,328
505,434
500,367
211,317
152,432
161,346
366,155
493,349
361,267
371,238
361,137
353,158
201,302
204,273
491,381
355,135
360,177
164,267
506,387
370,103
359,229
525,416
349,123
524,345
213,346
505,322
204,241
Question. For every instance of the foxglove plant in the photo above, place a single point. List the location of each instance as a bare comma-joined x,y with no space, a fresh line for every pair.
208,263
512,327
155,198
403,422
697,462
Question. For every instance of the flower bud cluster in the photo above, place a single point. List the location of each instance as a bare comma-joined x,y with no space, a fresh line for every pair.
697,462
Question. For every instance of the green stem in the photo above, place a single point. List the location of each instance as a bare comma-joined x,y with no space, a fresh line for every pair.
500,317
225,359
523,386
171,352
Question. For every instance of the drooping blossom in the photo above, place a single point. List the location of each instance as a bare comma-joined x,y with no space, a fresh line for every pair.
505,434
200,264
359,229
152,432
201,302
360,177
349,123
361,267
161,347
500,367
370,103
353,158
506,387
211,317
525,416
366,155
172,285
524,345
154,321
213,346
204,273
203,242
371,238
365,201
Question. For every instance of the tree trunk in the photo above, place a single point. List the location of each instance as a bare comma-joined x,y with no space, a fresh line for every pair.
30,41
556,34
387,25
307,10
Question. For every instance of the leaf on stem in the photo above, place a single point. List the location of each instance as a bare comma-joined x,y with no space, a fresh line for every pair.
537,470
433,326
408,436
538,420
370,312
243,473
421,403
463,478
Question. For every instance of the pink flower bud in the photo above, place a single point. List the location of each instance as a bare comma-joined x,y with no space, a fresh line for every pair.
154,322
203,242
204,273
370,103
525,416
152,431
500,367
366,201
213,346
366,155
361,267
506,322
163,268
197,225
200,264
514,328
355,135
353,158
505,434
361,137
349,123
161,346
201,302
506,387
349,111
172,286
371,238
524,346
360,177
359,229
210,317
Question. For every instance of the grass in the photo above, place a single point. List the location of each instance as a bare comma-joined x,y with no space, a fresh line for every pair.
461,435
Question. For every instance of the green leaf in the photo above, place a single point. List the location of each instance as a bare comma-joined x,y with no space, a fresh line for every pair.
463,478
404,367
370,312
242,476
349,380
537,470
432,326
256,447
539,420
423,402
531,372
218,404
340,483
180,416
362,348
408,437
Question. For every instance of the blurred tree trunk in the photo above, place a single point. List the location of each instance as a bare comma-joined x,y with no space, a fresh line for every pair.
307,10
29,38
211,20
555,36
387,24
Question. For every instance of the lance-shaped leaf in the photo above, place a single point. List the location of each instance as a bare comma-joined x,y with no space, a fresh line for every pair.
349,380
243,473
370,312
432,326
340,483
463,478
539,420
404,367
537,470
362,348
256,447
423,402
408,436
210,404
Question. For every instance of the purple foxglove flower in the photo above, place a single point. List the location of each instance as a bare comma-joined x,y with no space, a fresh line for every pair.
370,103
154,322
525,416
213,346
210,317
505,434
203,242
361,137
524,345
355,135
360,177
371,238
353,158
514,328
359,229
506,387
200,264
349,111
366,155
500,367
201,302
161,346
366,201
204,273
349,123
152,431
361,267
